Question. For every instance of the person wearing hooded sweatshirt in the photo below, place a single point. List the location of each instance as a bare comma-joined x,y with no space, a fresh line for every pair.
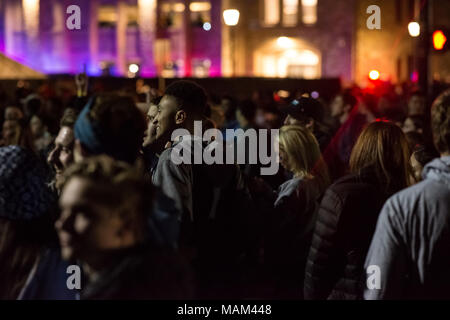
409,254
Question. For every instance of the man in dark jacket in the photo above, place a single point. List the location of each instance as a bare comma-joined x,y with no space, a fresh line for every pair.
409,254
212,199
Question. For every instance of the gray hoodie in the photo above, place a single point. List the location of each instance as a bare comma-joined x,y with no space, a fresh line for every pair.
410,250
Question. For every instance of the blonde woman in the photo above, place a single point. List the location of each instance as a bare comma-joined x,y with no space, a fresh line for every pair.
291,223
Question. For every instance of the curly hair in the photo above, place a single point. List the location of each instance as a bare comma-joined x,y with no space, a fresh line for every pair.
189,95
440,122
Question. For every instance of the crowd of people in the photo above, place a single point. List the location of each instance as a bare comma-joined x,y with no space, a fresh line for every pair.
89,181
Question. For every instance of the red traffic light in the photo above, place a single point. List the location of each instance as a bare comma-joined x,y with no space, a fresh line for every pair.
439,39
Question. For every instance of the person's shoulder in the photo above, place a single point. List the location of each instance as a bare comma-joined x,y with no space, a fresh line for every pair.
165,155
411,193
404,205
343,184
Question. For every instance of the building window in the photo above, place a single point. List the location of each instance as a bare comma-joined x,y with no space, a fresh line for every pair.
171,15
271,12
132,16
200,13
291,61
309,11
107,16
290,11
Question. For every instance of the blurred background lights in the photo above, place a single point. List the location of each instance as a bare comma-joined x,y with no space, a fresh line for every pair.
207,26
414,29
284,42
374,75
133,68
231,17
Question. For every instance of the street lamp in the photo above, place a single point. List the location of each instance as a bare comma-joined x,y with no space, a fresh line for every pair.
414,29
231,18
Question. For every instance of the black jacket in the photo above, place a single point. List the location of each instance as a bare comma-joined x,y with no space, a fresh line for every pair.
344,228
290,229
142,273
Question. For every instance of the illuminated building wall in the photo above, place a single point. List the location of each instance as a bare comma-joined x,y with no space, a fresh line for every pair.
114,34
291,38
391,50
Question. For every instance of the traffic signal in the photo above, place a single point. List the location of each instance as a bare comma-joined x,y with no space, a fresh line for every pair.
440,40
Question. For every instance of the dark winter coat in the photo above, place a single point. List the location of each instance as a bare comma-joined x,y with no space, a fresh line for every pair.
346,222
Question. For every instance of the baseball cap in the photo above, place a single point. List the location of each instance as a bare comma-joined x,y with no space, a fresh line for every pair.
305,107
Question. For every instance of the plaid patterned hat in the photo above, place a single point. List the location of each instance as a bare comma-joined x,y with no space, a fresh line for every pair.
24,193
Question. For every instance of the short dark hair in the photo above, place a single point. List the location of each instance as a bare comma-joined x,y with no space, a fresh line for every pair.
248,109
349,98
424,154
121,124
440,122
156,100
69,118
190,96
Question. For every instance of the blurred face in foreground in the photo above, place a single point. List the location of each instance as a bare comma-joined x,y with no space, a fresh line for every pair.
88,228
62,154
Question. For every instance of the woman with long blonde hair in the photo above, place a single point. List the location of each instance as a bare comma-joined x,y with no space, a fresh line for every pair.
295,204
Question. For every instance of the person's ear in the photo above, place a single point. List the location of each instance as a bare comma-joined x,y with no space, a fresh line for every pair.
180,117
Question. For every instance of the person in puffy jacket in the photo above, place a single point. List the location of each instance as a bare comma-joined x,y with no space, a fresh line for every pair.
349,210
409,254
